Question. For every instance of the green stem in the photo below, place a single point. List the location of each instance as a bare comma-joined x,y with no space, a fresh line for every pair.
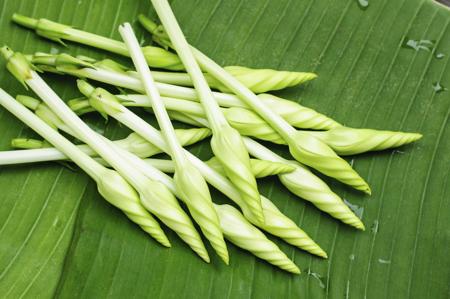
156,56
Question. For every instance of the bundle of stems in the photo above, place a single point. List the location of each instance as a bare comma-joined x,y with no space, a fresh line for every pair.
239,112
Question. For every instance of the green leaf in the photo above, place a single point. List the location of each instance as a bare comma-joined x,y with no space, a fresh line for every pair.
60,239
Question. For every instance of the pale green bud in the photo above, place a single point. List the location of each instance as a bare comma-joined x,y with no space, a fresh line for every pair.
100,99
158,199
160,58
308,186
137,145
349,141
229,149
157,31
281,226
193,190
248,123
241,233
60,61
29,143
47,115
313,152
17,65
29,102
121,195
184,118
111,65
297,115
80,106
260,168
262,80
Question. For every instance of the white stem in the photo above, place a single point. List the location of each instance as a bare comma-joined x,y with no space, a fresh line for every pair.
51,154
165,14
136,124
175,149
137,100
89,165
83,131
169,90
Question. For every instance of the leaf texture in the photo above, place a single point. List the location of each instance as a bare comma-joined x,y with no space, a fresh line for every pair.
59,239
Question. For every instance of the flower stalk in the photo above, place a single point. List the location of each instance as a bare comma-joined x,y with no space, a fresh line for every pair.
155,56
294,113
153,195
226,142
275,223
189,183
303,147
110,184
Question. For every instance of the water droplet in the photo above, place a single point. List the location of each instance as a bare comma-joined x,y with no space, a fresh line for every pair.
352,257
355,208
423,44
374,227
438,87
318,277
440,55
363,4
382,261
398,152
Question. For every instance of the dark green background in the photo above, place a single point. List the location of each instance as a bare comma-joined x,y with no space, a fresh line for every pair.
59,238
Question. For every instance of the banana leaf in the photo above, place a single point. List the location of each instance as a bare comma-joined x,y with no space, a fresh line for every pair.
382,66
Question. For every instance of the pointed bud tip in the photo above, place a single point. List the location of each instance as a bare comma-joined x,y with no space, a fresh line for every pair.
225,259
311,76
165,243
295,270
416,136
85,88
204,256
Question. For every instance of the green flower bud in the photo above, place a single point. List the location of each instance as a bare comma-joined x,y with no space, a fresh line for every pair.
28,143
262,80
101,100
260,168
230,150
120,194
80,106
193,190
308,186
349,141
313,152
281,226
297,115
47,115
17,65
241,233
159,34
158,199
161,58
111,65
248,123
29,102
